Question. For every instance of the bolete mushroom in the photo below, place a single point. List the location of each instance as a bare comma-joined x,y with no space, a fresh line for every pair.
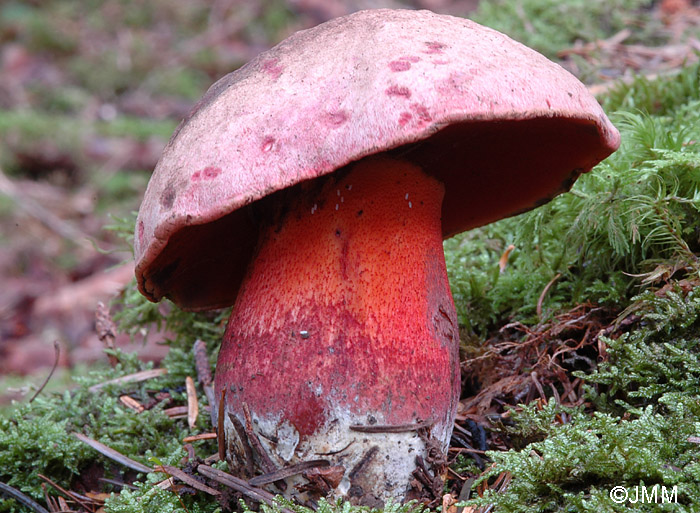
312,189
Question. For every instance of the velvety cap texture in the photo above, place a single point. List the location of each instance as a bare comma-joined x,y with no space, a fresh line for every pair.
503,128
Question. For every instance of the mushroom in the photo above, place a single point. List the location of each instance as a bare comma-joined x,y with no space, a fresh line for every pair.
312,189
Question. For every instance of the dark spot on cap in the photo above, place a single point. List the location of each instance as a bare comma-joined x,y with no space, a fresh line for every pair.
337,232
422,112
272,68
141,232
336,118
211,172
208,173
404,118
360,212
167,199
434,47
396,90
399,66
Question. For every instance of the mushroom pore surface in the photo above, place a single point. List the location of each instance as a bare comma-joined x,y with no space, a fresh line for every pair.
344,318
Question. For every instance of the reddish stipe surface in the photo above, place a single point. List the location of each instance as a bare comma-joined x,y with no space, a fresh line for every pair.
347,308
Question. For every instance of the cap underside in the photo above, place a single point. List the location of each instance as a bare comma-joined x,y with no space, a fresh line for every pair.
490,170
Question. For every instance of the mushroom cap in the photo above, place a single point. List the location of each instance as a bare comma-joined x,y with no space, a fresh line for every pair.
503,127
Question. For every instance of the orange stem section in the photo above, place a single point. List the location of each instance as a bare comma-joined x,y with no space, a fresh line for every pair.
346,309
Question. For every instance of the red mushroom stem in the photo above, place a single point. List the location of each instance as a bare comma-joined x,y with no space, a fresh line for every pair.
345,318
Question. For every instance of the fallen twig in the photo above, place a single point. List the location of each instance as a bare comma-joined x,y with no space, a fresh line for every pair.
201,436
388,428
464,493
201,363
131,403
115,482
192,403
84,501
176,412
257,494
187,479
130,378
83,294
466,449
50,501
57,349
546,288
247,449
106,330
51,221
220,436
286,472
267,464
584,49
22,498
363,461
112,454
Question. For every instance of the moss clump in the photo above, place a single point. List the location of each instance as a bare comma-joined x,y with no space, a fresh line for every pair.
37,438
548,26
642,432
627,237
635,213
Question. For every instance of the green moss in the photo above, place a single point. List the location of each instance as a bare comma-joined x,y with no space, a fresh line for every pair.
658,364
147,499
661,96
548,26
628,228
578,463
651,381
37,438
635,213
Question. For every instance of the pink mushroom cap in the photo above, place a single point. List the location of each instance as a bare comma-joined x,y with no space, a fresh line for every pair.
502,127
